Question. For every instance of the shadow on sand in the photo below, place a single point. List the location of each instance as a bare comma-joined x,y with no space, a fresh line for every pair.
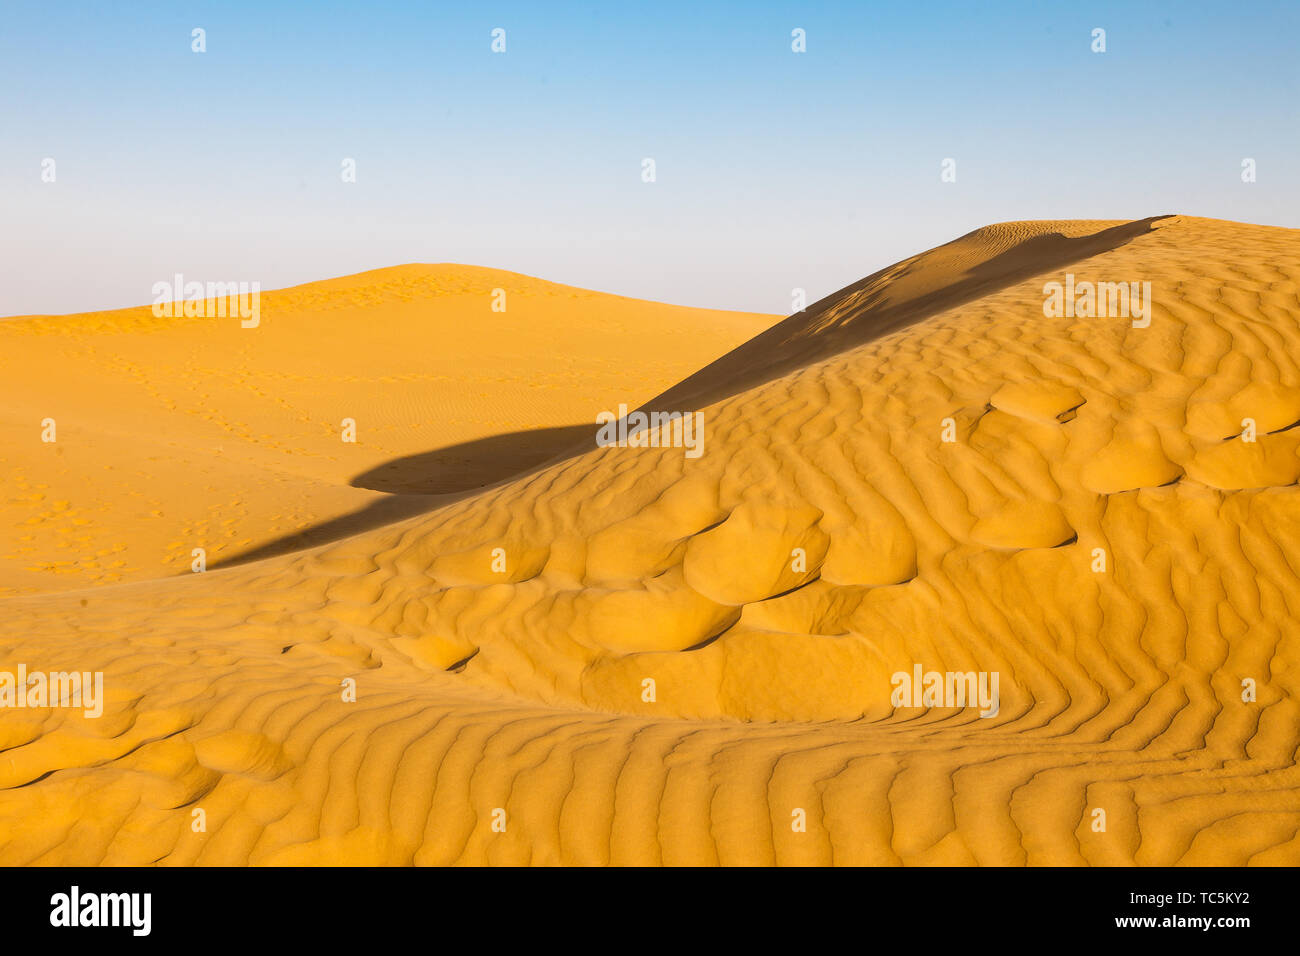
419,483
845,319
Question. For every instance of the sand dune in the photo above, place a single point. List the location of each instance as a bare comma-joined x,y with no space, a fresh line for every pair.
177,433
1097,533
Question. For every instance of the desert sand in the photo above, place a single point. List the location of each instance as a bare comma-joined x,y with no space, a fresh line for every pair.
922,470
177,433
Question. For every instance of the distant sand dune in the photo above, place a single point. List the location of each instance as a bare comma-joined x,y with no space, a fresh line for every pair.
520,688
178,433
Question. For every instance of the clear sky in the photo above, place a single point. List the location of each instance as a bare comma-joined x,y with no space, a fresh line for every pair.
774,169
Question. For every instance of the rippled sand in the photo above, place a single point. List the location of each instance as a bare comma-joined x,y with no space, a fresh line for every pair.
1097,533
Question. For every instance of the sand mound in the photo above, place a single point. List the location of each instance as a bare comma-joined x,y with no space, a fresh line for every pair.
635,656
175,433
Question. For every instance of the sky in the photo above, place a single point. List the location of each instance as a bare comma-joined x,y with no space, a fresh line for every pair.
774,170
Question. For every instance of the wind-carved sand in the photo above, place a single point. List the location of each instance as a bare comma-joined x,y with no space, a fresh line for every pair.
1097,532
180,433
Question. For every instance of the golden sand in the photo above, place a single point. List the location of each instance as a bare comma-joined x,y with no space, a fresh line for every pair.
1097,533
177,433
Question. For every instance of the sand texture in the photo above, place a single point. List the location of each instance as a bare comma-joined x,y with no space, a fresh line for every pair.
502,638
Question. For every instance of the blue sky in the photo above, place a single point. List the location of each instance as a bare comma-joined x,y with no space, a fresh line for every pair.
774,169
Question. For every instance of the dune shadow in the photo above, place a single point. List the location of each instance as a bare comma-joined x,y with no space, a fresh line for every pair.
375,514
866,310
422,482
472,464
852,316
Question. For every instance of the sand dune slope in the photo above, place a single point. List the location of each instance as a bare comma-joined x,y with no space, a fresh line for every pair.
176,433
1097,532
